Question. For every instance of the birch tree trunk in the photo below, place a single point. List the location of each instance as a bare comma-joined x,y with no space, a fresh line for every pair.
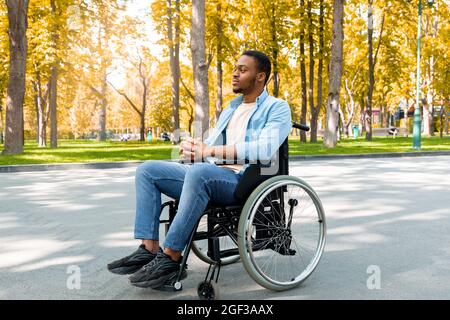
427,114
334,86
17,17
200,67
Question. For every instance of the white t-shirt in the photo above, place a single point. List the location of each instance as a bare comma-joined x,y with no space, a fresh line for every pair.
237,127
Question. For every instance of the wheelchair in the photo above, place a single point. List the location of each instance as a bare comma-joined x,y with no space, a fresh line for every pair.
277,230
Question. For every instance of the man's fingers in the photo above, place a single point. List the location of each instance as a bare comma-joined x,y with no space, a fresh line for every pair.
188,155
189,140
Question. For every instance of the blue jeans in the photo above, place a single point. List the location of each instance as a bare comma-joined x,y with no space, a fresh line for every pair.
194,185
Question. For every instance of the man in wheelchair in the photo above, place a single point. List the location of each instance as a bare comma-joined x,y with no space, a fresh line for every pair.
255,123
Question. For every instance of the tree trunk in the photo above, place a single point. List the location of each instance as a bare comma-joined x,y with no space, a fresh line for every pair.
174,51
53,107
145,85
429,125
54,81
384,116
17,17
332,123
368,112
200,68
313,134
219,98
362,112
428,106
350,106
316,111
103,45
426,117
41,109
102,112
36,107
446,116
303,72
142,127
1,123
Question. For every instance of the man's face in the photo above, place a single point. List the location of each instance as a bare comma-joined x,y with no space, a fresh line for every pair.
246,75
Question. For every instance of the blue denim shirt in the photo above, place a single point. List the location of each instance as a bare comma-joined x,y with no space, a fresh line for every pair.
268,126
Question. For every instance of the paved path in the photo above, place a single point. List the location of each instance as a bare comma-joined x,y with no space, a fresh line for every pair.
391,215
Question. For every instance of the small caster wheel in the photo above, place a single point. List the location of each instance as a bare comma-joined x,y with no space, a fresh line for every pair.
208,290
178,286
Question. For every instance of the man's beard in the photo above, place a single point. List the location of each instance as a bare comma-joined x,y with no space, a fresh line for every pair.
246,90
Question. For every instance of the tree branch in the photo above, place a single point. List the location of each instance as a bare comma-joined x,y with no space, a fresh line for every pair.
187,89
126,98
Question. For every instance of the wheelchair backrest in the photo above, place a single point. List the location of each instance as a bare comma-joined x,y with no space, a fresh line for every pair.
254,175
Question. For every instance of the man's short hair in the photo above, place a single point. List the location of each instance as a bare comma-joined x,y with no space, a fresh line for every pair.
263,60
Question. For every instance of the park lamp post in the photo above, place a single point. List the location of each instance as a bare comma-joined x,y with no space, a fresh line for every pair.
417,116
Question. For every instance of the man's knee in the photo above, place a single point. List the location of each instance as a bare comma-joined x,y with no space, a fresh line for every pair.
200,170
147,168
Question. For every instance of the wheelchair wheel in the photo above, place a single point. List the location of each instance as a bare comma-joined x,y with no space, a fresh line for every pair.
200,247
281,233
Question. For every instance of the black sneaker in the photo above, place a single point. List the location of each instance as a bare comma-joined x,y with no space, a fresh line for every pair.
160,271
133,262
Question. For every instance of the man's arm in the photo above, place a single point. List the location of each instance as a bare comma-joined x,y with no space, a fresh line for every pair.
269,140
222,152
192,149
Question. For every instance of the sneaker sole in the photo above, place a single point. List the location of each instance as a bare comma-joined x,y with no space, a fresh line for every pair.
124,270
163,280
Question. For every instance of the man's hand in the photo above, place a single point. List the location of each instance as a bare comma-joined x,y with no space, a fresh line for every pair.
193,150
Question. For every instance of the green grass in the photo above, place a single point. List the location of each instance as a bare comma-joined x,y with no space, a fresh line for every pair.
93,151
89,151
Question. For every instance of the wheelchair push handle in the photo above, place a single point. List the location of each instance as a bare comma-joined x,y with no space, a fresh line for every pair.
300,126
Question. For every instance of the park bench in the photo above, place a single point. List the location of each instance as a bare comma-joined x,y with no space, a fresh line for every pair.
391,131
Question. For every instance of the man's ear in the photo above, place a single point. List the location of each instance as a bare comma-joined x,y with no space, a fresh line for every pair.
261,76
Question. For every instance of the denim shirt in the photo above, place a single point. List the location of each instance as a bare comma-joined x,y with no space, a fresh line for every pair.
268,126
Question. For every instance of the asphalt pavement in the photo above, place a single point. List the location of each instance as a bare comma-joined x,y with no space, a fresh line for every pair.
388,234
